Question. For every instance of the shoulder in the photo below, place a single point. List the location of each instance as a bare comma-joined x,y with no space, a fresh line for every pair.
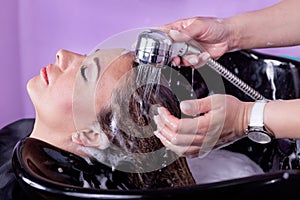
26,123
20,128
11,134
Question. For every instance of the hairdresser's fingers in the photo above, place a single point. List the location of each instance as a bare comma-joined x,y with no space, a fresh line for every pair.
195,131
190,151
179,150
166,119
190,126
204,135
176,61
178,25
193,154
212,115
189,131
133,46
179,36
181,135
181,139
195,60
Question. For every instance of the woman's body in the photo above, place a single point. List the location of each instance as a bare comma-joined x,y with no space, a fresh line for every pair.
90,106
10,135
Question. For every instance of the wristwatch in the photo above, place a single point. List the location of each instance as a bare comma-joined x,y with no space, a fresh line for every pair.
256,130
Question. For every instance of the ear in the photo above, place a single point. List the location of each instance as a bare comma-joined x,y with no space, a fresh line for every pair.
92,136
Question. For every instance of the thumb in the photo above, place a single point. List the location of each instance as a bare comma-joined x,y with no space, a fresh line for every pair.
195,107
179,36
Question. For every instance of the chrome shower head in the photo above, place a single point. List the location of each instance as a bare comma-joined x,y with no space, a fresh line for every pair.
155,47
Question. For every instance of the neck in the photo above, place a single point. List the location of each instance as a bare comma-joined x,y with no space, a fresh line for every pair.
54,136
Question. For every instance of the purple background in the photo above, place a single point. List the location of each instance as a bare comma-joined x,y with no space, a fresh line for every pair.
32,31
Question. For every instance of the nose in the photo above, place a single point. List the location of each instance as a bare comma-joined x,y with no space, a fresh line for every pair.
66,59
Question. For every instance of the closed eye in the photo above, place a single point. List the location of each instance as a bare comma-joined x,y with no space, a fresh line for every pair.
83,72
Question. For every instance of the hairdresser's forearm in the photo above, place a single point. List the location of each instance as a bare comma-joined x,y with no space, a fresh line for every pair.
274,26
283,118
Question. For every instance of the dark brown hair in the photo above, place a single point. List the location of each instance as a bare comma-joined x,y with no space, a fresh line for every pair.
128,123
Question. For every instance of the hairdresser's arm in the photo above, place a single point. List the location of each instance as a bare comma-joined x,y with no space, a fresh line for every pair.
224,119
282,118
274,26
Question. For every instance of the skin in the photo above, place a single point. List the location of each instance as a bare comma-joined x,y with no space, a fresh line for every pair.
242,31
68,94
189,137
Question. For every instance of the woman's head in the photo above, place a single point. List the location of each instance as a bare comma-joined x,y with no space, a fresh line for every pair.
68,94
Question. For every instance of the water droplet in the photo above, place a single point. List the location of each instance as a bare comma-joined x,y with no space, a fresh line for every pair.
285,175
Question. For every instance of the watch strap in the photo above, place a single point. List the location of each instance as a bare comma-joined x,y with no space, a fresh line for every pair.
257,114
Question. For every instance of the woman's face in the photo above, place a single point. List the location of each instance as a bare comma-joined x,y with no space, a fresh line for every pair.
68,94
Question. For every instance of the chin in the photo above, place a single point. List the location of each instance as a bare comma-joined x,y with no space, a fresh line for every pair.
31,88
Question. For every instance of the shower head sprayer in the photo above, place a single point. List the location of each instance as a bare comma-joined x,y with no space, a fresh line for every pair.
155,47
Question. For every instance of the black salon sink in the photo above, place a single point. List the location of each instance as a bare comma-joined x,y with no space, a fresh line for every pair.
46,172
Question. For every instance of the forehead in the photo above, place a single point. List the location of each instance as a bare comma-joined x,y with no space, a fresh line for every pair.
105,56
115,64
93,95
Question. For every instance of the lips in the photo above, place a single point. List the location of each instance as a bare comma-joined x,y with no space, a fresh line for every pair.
44,75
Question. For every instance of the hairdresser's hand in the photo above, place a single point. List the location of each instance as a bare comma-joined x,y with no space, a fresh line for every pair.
223,119
211,33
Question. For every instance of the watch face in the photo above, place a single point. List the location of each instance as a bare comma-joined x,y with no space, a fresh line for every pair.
259,137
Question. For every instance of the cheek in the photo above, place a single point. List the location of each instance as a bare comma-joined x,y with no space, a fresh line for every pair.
61,100
103,92
58,99
83,103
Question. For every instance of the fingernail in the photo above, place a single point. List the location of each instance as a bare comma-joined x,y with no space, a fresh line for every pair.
173,64
185,106
134,45
157,134
193,61
76,135
124,52
174,32
160,111
165,118
155,119
205,56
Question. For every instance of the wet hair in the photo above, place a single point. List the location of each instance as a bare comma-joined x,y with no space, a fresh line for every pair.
128,123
